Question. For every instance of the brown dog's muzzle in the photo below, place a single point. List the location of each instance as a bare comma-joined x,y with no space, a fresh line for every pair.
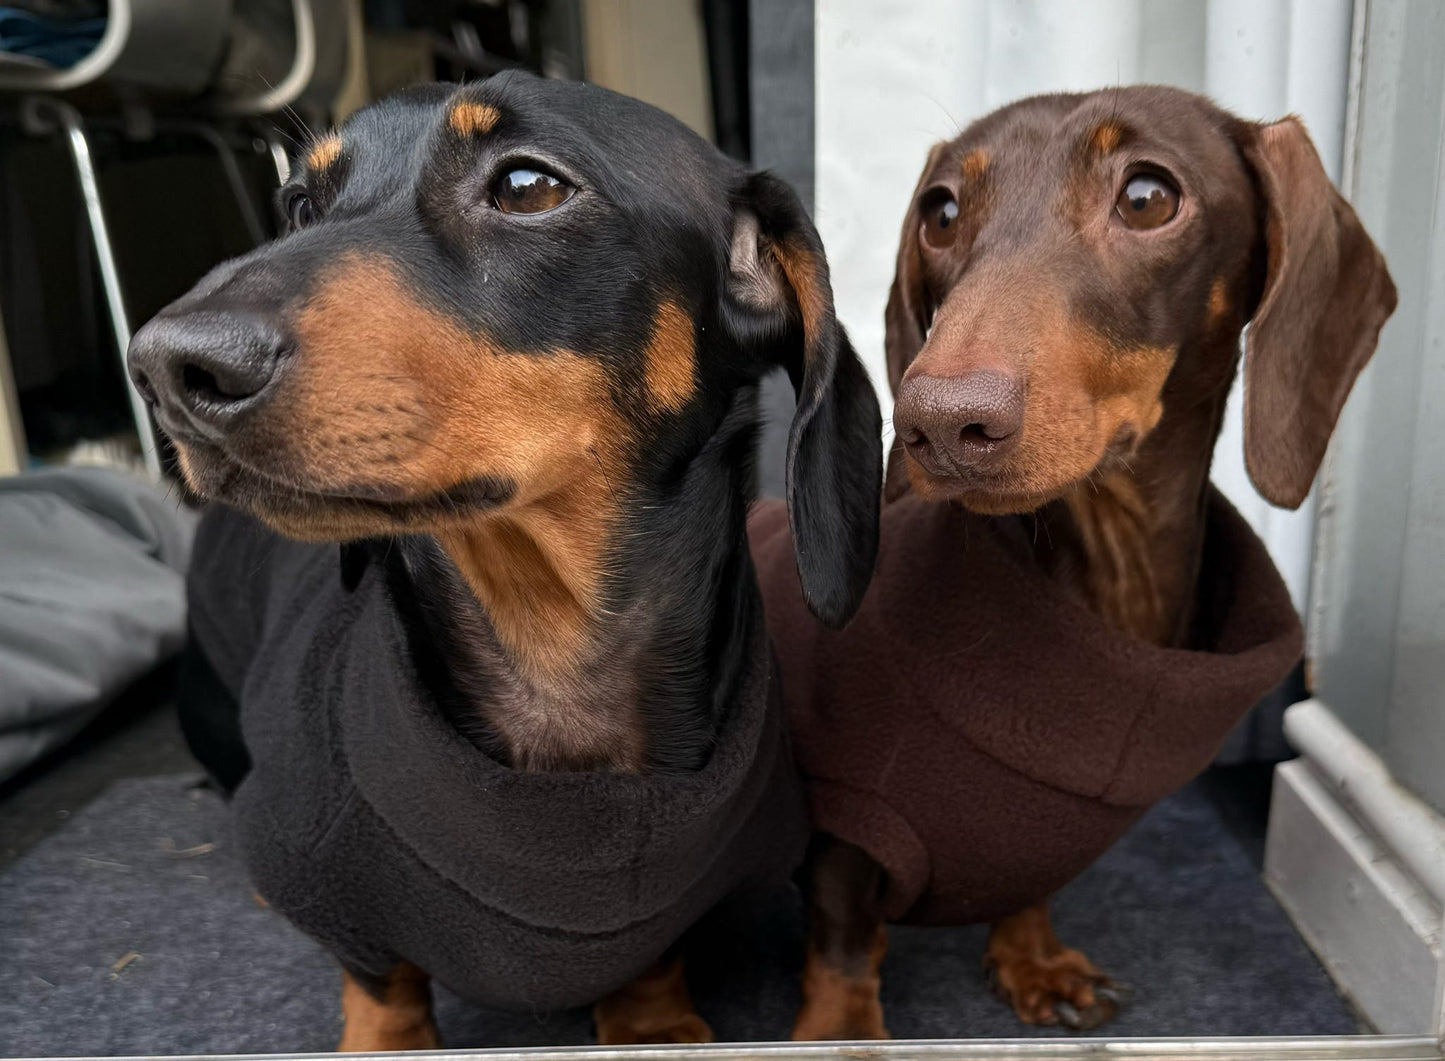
949,424
206,370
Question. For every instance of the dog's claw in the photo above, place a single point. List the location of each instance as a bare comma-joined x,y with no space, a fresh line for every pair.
1108,998
1080,1003
1114,993
1089,1018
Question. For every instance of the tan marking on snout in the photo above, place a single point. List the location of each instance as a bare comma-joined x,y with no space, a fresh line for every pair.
670,358
392,394
975,163
1086,394
470,118
1126,385
324,152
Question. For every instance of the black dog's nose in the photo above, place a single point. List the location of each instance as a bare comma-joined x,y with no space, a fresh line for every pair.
948,424
206,366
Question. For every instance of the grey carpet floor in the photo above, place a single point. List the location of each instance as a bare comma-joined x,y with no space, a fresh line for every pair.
132,930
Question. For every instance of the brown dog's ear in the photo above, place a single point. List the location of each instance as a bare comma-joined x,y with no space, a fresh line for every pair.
905,319
1326,293
907,315
780,304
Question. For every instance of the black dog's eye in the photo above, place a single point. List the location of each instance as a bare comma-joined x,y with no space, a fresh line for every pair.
300,211
1147,201
529,191
940,218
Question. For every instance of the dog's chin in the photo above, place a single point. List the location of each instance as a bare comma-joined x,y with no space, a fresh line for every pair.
993,493
298,508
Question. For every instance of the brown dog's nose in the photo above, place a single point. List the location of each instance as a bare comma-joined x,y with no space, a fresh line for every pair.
205,368
948,424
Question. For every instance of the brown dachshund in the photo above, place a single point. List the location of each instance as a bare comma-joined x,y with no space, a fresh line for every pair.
1063,329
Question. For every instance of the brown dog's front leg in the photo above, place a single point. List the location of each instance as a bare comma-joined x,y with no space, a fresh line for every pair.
846,944
655,1008
1044,981
393,1013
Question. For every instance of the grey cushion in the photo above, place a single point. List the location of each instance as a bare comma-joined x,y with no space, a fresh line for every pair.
92,595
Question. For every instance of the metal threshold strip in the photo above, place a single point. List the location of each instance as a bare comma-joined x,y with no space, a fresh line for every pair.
1321,1048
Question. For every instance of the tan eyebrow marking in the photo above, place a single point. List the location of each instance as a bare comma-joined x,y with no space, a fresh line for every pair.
324,152
1107,136
975,163
469,118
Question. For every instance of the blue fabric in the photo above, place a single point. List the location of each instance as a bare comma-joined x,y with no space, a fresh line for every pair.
59,42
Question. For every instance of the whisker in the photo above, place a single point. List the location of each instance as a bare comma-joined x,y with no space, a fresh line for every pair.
606,480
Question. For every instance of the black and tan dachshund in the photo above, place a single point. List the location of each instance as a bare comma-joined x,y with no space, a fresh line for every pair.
508,351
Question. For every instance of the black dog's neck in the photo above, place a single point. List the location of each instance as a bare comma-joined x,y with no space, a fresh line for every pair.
662,659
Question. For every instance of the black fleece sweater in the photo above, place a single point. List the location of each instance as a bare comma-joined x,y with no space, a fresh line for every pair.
375,827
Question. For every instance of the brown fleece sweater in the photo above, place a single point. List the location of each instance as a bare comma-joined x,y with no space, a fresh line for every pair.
979,731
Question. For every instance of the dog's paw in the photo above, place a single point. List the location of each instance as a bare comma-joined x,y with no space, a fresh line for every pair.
633,1028
849,1014
1063,988
837,1006
654,1008
376,1040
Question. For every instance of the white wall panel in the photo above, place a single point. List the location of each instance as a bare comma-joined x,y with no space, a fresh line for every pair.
1059,46
1378,641
1246,69
1319,68
893,78
1170,46
1246,55
1263,59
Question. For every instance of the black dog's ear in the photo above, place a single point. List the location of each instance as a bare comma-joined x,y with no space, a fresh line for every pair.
780,304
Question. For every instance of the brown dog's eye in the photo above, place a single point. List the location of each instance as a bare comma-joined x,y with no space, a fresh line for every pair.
1147,201
940,218
528,191
300,211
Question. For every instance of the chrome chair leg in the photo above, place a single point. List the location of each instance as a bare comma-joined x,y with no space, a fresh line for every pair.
279,158
43,115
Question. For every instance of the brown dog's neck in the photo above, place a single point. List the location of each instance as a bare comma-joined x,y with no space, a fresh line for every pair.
1130,539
